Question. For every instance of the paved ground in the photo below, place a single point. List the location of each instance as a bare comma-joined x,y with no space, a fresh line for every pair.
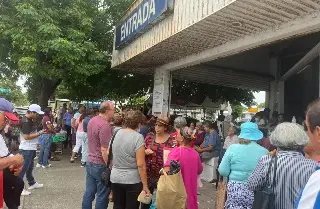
64,184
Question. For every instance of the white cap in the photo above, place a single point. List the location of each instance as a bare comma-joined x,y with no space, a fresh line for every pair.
35,108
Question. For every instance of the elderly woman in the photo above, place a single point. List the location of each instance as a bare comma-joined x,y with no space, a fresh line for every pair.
210,151
129,175
190,163
232,138
199,134
155,145
237,164
293,170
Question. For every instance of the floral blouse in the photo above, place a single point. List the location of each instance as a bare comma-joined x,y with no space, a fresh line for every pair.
155,160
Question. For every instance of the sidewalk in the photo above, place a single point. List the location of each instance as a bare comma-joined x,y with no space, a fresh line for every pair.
64,184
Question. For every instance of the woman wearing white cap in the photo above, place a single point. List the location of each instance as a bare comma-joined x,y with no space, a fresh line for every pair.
28,146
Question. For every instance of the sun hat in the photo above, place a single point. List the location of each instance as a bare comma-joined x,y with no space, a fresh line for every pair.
35,108
250,131
7,108
163,120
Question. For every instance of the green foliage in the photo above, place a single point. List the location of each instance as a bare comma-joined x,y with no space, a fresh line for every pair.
15,96
197,92
109,84
237,110
261,105
67,44
57,40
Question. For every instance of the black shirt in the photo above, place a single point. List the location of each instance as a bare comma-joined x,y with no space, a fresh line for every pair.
27,126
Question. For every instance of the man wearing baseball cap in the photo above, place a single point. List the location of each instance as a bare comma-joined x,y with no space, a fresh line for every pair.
11,164
28,145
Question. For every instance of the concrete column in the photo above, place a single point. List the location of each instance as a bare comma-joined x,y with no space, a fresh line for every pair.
280,96
273,96
276,93
161,93
267,99
277,96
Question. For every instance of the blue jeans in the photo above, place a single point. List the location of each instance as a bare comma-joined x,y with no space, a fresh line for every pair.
154,197
95,188
28,165
84,150
45,141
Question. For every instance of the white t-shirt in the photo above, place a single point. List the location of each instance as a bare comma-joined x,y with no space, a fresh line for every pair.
310,197
4,152
27,128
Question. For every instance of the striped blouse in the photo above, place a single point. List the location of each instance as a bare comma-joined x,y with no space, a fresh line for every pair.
292,174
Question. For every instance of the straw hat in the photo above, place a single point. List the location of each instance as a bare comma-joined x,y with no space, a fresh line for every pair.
163,120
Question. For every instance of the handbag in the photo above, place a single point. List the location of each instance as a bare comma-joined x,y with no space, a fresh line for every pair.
265,198
221,194
206,156
105,176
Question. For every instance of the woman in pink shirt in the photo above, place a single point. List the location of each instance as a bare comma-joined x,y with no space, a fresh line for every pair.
190,164
80,134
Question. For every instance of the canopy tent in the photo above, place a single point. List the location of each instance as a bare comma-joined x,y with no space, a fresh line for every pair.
181,103
208,104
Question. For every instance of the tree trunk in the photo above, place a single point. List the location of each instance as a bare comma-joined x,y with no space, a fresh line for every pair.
47,88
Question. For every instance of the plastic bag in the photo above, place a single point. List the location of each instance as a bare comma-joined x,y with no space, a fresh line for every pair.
171,192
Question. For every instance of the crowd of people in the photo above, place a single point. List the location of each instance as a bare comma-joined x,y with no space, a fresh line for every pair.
138,149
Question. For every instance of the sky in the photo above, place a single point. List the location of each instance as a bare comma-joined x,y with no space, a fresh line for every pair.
259,96
21,81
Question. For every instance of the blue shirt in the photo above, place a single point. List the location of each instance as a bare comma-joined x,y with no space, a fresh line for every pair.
240,160
144,130
67,118
212,139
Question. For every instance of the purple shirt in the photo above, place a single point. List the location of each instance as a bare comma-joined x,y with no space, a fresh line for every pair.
99,135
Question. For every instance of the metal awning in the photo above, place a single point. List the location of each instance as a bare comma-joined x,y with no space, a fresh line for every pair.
197,26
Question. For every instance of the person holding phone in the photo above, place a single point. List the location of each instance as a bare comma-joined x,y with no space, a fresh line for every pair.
28,146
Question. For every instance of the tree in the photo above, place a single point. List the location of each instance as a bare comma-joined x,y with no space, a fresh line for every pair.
15,95
261,105
66,45
237,110
197,92
57,40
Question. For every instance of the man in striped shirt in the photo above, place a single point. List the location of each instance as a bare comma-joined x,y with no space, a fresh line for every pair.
310,197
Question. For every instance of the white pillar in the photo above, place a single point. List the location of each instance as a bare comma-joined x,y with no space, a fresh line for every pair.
161,93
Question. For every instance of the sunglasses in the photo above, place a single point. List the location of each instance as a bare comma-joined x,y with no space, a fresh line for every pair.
160,125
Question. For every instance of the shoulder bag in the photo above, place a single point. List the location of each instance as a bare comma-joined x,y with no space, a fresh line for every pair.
105,176
265,198
221,193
